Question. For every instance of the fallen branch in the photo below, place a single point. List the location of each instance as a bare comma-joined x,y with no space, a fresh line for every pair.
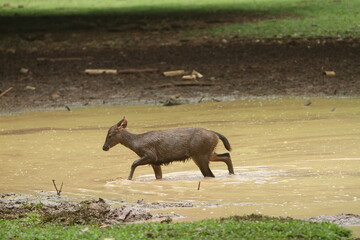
174,73
197,74
41,59
193,83
6,91
329,73
100,71
200,100
186,84
58,191
132,70
189,77
165,85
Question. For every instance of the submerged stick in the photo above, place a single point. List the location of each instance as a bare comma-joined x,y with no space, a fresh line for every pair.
58,192
199,185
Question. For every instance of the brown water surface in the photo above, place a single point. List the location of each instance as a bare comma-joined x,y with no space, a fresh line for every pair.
290,159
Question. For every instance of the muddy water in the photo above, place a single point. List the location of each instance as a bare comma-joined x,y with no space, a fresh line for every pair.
290,159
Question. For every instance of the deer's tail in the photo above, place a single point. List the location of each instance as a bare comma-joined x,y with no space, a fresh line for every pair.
224,140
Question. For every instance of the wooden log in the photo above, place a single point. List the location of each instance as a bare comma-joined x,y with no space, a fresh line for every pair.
174,73
100,71
329,73
189,77
40,59
197,74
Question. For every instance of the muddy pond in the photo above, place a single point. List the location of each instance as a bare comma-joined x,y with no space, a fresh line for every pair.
292,157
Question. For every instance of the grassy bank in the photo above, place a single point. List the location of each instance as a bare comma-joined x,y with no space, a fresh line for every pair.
305,19
277,18
247,227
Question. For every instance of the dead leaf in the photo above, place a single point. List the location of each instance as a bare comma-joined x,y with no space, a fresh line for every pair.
104,226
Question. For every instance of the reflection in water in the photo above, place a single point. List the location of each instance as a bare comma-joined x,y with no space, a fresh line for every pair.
290,159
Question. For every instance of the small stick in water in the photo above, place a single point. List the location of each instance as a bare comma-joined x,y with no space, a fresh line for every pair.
199,185
58,192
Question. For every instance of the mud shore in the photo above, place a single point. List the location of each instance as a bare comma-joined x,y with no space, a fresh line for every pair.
59,209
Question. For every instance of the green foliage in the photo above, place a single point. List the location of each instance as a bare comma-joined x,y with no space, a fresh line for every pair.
246,227
272,18
305,19
52,7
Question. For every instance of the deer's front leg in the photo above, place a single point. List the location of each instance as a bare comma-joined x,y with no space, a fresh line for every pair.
157,171
142,161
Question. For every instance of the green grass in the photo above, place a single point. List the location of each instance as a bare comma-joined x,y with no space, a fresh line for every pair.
327,18
52,7
248,227
294,18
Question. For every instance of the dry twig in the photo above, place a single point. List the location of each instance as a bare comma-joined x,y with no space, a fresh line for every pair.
186,84
133,70
6,91
41,59
100,71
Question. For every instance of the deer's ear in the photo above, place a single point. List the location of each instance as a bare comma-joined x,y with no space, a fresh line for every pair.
122,123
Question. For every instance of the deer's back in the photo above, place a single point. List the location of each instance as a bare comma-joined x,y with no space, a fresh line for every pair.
177,144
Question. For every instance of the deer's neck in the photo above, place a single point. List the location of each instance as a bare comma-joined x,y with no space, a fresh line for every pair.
128,139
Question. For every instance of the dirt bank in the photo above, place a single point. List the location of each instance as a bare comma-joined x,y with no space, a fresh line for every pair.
43,60
58,209
231,69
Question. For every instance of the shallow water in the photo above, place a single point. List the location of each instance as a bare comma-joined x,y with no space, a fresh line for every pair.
290,159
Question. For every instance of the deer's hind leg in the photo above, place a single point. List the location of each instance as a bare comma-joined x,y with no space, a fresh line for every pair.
203,163
224,157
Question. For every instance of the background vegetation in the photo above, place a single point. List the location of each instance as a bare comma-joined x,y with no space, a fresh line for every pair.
295,18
